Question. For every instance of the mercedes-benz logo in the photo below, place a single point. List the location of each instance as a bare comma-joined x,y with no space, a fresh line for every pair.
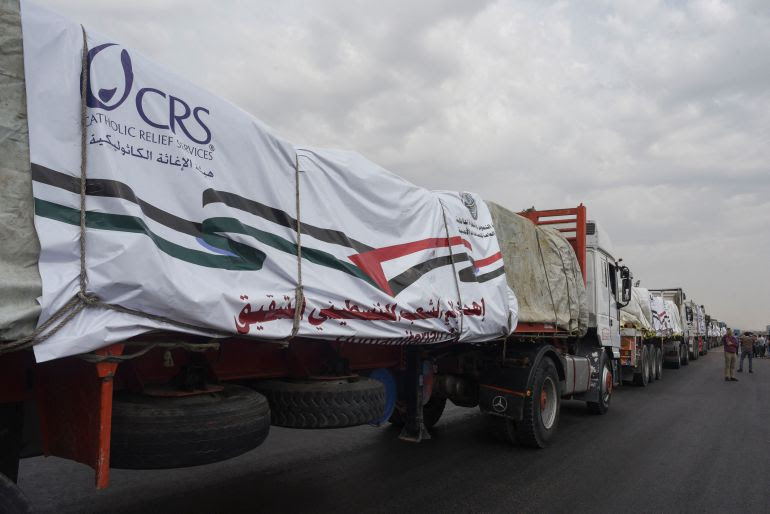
499,404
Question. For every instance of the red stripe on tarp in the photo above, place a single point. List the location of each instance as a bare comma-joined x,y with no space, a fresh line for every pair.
488,260
371,262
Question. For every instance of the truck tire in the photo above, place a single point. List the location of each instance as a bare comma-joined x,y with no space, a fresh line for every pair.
541,410
12,500
324,403
651,360
431,412
160,433
658,363
643,377
605,389
678,363
685,352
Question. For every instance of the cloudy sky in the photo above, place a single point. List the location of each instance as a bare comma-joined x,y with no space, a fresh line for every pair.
654,114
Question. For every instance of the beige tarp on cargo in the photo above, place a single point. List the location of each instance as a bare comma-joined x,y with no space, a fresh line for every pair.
637,314
19,248
542,269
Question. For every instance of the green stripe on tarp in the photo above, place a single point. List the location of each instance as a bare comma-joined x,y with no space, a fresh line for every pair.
319,257
245,258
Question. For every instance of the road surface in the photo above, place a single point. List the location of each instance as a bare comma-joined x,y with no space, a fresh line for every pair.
688,443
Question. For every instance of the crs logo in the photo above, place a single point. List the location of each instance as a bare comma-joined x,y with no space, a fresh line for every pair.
177,114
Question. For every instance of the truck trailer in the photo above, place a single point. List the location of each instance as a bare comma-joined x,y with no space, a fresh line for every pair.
669,311
142,330
641,346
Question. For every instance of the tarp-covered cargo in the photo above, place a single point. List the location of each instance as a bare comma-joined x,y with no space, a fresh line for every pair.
661,321
197,213
637,313
676,320
19,248
542,269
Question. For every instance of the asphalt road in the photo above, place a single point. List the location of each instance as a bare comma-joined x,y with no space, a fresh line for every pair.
689,443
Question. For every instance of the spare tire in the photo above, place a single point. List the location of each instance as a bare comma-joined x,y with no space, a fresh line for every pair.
161,432
324,403
431,412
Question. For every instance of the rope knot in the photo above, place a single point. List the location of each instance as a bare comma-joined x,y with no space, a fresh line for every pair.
88,298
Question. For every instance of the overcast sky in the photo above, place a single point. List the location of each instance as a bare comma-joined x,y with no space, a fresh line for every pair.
655,115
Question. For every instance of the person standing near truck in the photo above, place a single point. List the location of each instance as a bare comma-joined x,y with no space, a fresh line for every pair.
731,348
747,350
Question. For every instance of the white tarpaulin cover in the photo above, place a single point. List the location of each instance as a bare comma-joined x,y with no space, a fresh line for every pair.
192,215
701,318
676,320
661,321
637,313
542,269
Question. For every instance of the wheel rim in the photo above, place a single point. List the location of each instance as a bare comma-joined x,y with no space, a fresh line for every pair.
548,402
607,381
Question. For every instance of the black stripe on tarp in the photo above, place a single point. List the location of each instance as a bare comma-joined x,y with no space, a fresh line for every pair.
282,218
114,189
410,276
467,275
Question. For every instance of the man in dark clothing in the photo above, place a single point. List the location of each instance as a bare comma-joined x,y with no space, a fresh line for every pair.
747,349
731,348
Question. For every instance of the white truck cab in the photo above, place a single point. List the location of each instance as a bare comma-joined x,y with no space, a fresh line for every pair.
608,284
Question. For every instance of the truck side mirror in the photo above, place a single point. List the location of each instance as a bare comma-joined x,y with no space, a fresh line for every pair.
626,291
627,280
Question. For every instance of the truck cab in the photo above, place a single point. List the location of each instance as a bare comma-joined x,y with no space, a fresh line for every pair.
608,284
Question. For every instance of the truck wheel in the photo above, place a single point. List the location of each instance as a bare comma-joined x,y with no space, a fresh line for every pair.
431,412
658,363
324,403
541,410
12,500
685,352
605,389
160,433
643,377
653,361
678,362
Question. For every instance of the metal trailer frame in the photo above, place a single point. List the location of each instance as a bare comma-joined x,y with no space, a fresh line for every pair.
72,398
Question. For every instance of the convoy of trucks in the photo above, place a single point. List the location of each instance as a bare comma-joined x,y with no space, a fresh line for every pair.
174,398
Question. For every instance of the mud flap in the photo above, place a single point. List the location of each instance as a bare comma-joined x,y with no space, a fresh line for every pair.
502,391
414,430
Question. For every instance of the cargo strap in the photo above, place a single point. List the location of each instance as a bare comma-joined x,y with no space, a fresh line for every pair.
83,298
454,270
547,280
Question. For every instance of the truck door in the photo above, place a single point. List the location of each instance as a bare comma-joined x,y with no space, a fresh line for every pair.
614,311
603,328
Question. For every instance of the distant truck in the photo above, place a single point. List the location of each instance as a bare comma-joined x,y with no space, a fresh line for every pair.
670,310
701,332
641,351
